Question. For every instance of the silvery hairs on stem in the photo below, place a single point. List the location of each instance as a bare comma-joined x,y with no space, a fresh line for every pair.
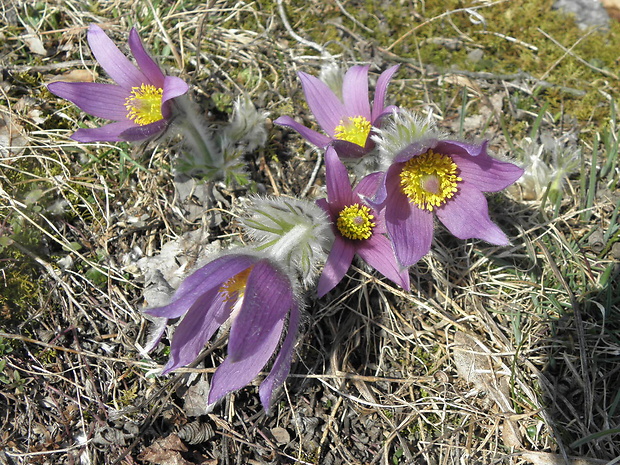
216,153
295,232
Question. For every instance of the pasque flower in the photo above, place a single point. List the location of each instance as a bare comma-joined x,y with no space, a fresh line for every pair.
446,178
140,101
250,290
348,123
358,228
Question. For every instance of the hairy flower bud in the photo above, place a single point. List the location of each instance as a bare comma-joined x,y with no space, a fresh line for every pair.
293,231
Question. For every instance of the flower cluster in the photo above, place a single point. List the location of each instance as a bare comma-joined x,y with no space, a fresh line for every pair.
385,217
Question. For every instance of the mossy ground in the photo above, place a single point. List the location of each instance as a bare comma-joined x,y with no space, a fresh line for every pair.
498,355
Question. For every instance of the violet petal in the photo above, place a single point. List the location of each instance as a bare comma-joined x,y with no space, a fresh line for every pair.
355,92
199,324
466,215
457,147
312,136
339,192
108,133
349,150
231,376
337,265
267,300
325,106
211,276
101,100
136,133
409,227
378,103
282,364
368,185
112,60
487,173
173,87
145,62
378,253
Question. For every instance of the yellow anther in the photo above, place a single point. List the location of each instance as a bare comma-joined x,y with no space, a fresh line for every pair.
355,130
144,104
233,289
355,222
430,179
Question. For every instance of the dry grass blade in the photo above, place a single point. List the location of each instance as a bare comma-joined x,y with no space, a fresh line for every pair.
497,355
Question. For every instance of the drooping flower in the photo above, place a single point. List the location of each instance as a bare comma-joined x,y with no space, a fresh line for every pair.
446,178
250,290
358,227
348,124
140,101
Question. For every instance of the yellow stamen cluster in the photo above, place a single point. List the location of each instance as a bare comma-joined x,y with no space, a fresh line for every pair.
355,130
430,179
233,289
355,222
144,104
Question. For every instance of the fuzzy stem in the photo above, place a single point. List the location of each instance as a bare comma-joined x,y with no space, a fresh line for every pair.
197,137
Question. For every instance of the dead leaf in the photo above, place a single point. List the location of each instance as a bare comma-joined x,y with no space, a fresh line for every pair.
75,75
12,140
474,364
464,81
546,458
33,42
195,398
281,435
166,451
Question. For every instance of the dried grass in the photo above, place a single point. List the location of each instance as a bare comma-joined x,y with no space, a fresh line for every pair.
498,355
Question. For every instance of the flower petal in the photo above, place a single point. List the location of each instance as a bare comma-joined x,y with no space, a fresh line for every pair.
267,300
173,87
346,149
338,262
200,323
108,133
211,276
410,228
457,147
315,138
368,185
282,364
378,253
487,173
355,92
101,100
339,192
326,107
378,103
231,376
112,60
156,332
417,148
136,133
466,215
146,63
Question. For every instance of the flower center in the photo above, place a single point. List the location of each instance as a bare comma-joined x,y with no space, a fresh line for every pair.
355,130
355,222
233,289
429,180
144,104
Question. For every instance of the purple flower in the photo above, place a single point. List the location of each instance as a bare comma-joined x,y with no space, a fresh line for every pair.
253,293
359,228
348,123
446,178
139,102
